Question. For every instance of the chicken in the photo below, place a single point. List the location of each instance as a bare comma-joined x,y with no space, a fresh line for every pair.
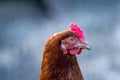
59,60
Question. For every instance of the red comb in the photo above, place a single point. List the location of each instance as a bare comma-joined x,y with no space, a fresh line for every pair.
76,29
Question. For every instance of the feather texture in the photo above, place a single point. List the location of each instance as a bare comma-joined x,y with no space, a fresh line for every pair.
55,64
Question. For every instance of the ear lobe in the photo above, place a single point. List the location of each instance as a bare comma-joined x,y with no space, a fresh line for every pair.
63,48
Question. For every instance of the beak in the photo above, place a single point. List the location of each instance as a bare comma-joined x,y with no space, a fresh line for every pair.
83,45
87,47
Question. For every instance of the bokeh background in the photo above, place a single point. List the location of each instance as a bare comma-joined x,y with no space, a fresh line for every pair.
26,24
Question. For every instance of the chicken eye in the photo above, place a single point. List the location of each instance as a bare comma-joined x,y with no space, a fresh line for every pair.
71,39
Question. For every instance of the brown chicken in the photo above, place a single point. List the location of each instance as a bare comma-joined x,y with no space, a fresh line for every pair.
59,57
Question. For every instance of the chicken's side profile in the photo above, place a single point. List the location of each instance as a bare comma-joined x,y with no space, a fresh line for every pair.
59,60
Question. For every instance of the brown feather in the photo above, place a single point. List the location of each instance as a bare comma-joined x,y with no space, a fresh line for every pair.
55,64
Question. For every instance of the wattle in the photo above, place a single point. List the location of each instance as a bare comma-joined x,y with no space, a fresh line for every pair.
75,51
80,51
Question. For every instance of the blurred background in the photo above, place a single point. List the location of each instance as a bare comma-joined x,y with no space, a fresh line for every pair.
26,24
